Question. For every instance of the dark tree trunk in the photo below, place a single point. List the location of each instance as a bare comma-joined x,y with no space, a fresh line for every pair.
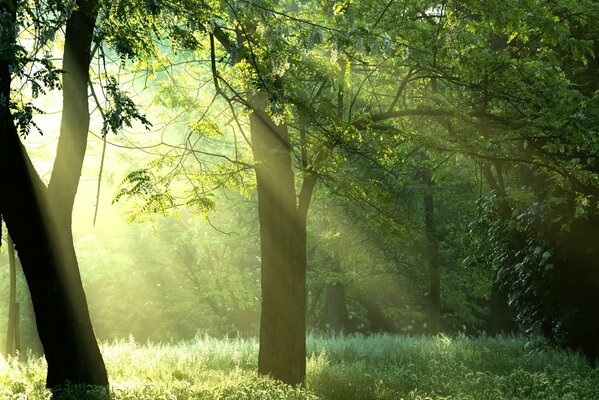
378,321
74,124
501,315
39,219
282,352
11,334
87,365
335,308
434,259
63,325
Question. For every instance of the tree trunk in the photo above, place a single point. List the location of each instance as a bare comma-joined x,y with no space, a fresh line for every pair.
87,365
39,219
62,320
378,321
434,259
11,334
501,316
282,353
63,325
17,327
335,308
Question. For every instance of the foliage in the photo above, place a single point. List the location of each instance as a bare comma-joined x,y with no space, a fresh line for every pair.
121,112
26,47
545,256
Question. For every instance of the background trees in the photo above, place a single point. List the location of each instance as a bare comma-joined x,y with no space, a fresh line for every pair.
392,108
364,166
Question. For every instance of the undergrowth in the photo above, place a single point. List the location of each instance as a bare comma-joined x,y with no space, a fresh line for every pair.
381,367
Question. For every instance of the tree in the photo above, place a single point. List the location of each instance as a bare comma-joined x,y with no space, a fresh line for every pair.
282,216
434,259
291,128
13,340
531,83
39,218
478,79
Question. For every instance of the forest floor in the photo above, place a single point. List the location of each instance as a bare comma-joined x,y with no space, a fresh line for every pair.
347,368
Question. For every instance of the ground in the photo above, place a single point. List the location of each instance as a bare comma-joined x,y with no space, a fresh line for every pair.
355,367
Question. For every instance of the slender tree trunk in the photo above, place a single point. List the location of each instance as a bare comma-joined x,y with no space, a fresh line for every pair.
378,321
11,334
282,353
87,365
501,316
17,327
434,259
39,219
335,308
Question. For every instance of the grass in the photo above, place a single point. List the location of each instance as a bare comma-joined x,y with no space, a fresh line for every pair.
381,367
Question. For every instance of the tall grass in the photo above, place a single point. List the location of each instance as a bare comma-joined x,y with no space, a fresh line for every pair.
344,368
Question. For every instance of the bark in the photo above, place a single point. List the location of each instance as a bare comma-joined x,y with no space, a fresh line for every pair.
39,219
378,321
501,316
11,334
336,308
65,332
434,259
282,353
17,327
74,124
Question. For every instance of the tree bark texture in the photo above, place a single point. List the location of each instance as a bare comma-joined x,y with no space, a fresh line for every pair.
335,308
39,219
434,258
501,315
11,331
282,353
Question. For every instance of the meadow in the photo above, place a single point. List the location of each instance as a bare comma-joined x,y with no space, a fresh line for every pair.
380,367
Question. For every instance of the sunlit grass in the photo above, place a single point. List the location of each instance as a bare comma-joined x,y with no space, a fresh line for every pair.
377,367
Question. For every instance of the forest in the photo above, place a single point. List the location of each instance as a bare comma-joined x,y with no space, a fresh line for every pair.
299,199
